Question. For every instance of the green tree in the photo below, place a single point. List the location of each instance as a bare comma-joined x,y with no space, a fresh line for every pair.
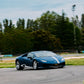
82,20
59,26
48,21
65,31
8,25
78,37
17,42
35,25
30,23
20,24
11,25
1,42
43,40
0,27
5,23
82,37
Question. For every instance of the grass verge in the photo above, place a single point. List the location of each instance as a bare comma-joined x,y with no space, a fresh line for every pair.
7,64
11,63
79,61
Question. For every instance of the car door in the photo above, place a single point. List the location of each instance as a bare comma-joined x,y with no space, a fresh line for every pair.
25,59
30,57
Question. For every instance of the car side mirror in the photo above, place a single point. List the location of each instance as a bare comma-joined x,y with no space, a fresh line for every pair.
30,58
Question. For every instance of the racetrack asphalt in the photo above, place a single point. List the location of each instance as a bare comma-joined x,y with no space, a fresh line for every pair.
66,75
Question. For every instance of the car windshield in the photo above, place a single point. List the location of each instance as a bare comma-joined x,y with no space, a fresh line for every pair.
44,54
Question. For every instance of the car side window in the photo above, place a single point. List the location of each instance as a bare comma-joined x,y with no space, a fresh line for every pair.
25,55
30,55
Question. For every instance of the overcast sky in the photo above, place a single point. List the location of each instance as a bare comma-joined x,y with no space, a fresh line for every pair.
14,9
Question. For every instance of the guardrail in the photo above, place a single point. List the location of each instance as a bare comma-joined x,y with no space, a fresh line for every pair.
10,55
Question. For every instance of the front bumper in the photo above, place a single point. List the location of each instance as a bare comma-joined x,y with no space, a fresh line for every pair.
60,65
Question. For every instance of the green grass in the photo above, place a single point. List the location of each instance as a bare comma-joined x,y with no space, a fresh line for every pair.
75,61
11,63
7,65
10,57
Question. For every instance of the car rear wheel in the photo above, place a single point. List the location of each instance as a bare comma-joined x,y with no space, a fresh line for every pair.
18,66
35,65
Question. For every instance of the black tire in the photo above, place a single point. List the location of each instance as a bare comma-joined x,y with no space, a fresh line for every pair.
35,65
18,66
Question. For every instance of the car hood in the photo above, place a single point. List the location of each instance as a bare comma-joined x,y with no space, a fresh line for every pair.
50,59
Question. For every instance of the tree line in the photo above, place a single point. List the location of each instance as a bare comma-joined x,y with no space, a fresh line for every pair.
51,31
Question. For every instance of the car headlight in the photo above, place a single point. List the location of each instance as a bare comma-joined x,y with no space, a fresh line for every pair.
43,61
62,59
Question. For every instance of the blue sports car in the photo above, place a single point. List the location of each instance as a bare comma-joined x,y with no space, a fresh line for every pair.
39,59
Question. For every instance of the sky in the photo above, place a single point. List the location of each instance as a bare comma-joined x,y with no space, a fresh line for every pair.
32,9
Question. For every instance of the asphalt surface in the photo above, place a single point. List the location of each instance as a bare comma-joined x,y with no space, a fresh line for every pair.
66,75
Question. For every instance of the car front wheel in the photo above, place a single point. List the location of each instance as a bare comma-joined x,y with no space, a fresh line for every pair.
18,66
